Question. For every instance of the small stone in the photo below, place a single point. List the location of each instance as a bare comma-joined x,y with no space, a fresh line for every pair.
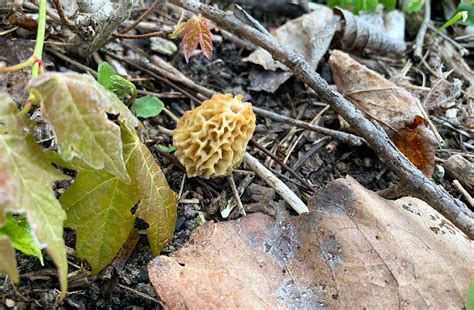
163,46
10,303
342,167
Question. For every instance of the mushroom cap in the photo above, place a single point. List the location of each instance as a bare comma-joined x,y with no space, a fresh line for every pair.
211,139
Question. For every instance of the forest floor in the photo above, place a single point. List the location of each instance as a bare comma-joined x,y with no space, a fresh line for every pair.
317,158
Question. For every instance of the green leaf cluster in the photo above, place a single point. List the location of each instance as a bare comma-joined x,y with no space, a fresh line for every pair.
144,107
118,178
412,6
466,6
115,83
362,5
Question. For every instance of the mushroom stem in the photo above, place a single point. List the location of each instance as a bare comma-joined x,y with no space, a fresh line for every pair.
284,191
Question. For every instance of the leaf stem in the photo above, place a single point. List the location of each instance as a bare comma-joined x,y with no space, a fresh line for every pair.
27,63
38,52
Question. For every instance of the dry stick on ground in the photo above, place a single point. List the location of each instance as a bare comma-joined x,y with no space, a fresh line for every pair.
284,191
420,37
64,19
283,165
235,192
412,179
342,136
142,17
153,75
160,34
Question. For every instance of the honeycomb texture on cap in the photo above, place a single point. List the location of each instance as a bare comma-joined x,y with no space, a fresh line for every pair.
211,139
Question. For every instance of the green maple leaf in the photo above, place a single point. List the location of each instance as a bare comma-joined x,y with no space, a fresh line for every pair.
157,201
107,77
21,235
32,175
77,107
99,205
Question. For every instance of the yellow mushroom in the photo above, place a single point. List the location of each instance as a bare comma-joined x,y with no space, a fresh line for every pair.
211,139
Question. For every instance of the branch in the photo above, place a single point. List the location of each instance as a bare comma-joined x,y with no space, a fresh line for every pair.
420,37
412,178
64,19
142,17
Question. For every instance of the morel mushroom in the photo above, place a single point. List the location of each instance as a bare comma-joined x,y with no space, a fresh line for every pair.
211,139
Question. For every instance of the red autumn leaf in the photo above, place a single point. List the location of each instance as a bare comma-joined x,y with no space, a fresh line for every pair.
417,148
195,31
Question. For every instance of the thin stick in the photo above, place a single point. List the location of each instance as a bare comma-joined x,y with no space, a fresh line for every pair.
153,75
3,33
64,19
138,293
284,191
374,135
73,62
342,136
464,192
161,34
461,49
420,37
285,166
139,20
230,178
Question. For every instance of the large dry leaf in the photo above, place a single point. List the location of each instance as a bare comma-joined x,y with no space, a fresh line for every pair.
394,107
77,107
8,261
99,206
353,250
373,93
34,176
308,35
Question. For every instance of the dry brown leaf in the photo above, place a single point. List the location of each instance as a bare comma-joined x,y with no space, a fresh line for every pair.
354,250
394,107
413,144
359,32
308,35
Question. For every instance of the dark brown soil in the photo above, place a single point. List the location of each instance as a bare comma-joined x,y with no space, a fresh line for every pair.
226,72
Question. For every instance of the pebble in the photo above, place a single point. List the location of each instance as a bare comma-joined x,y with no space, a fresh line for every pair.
10,303
163,46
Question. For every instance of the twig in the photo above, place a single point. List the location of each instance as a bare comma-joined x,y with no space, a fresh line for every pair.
464,192
316,146
167,70
421,107
64,19
138,293
152,74
3,33
420,37
412,178
142,17
285,166
161,34
461,49
284,191
344,137
72,62
240,207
